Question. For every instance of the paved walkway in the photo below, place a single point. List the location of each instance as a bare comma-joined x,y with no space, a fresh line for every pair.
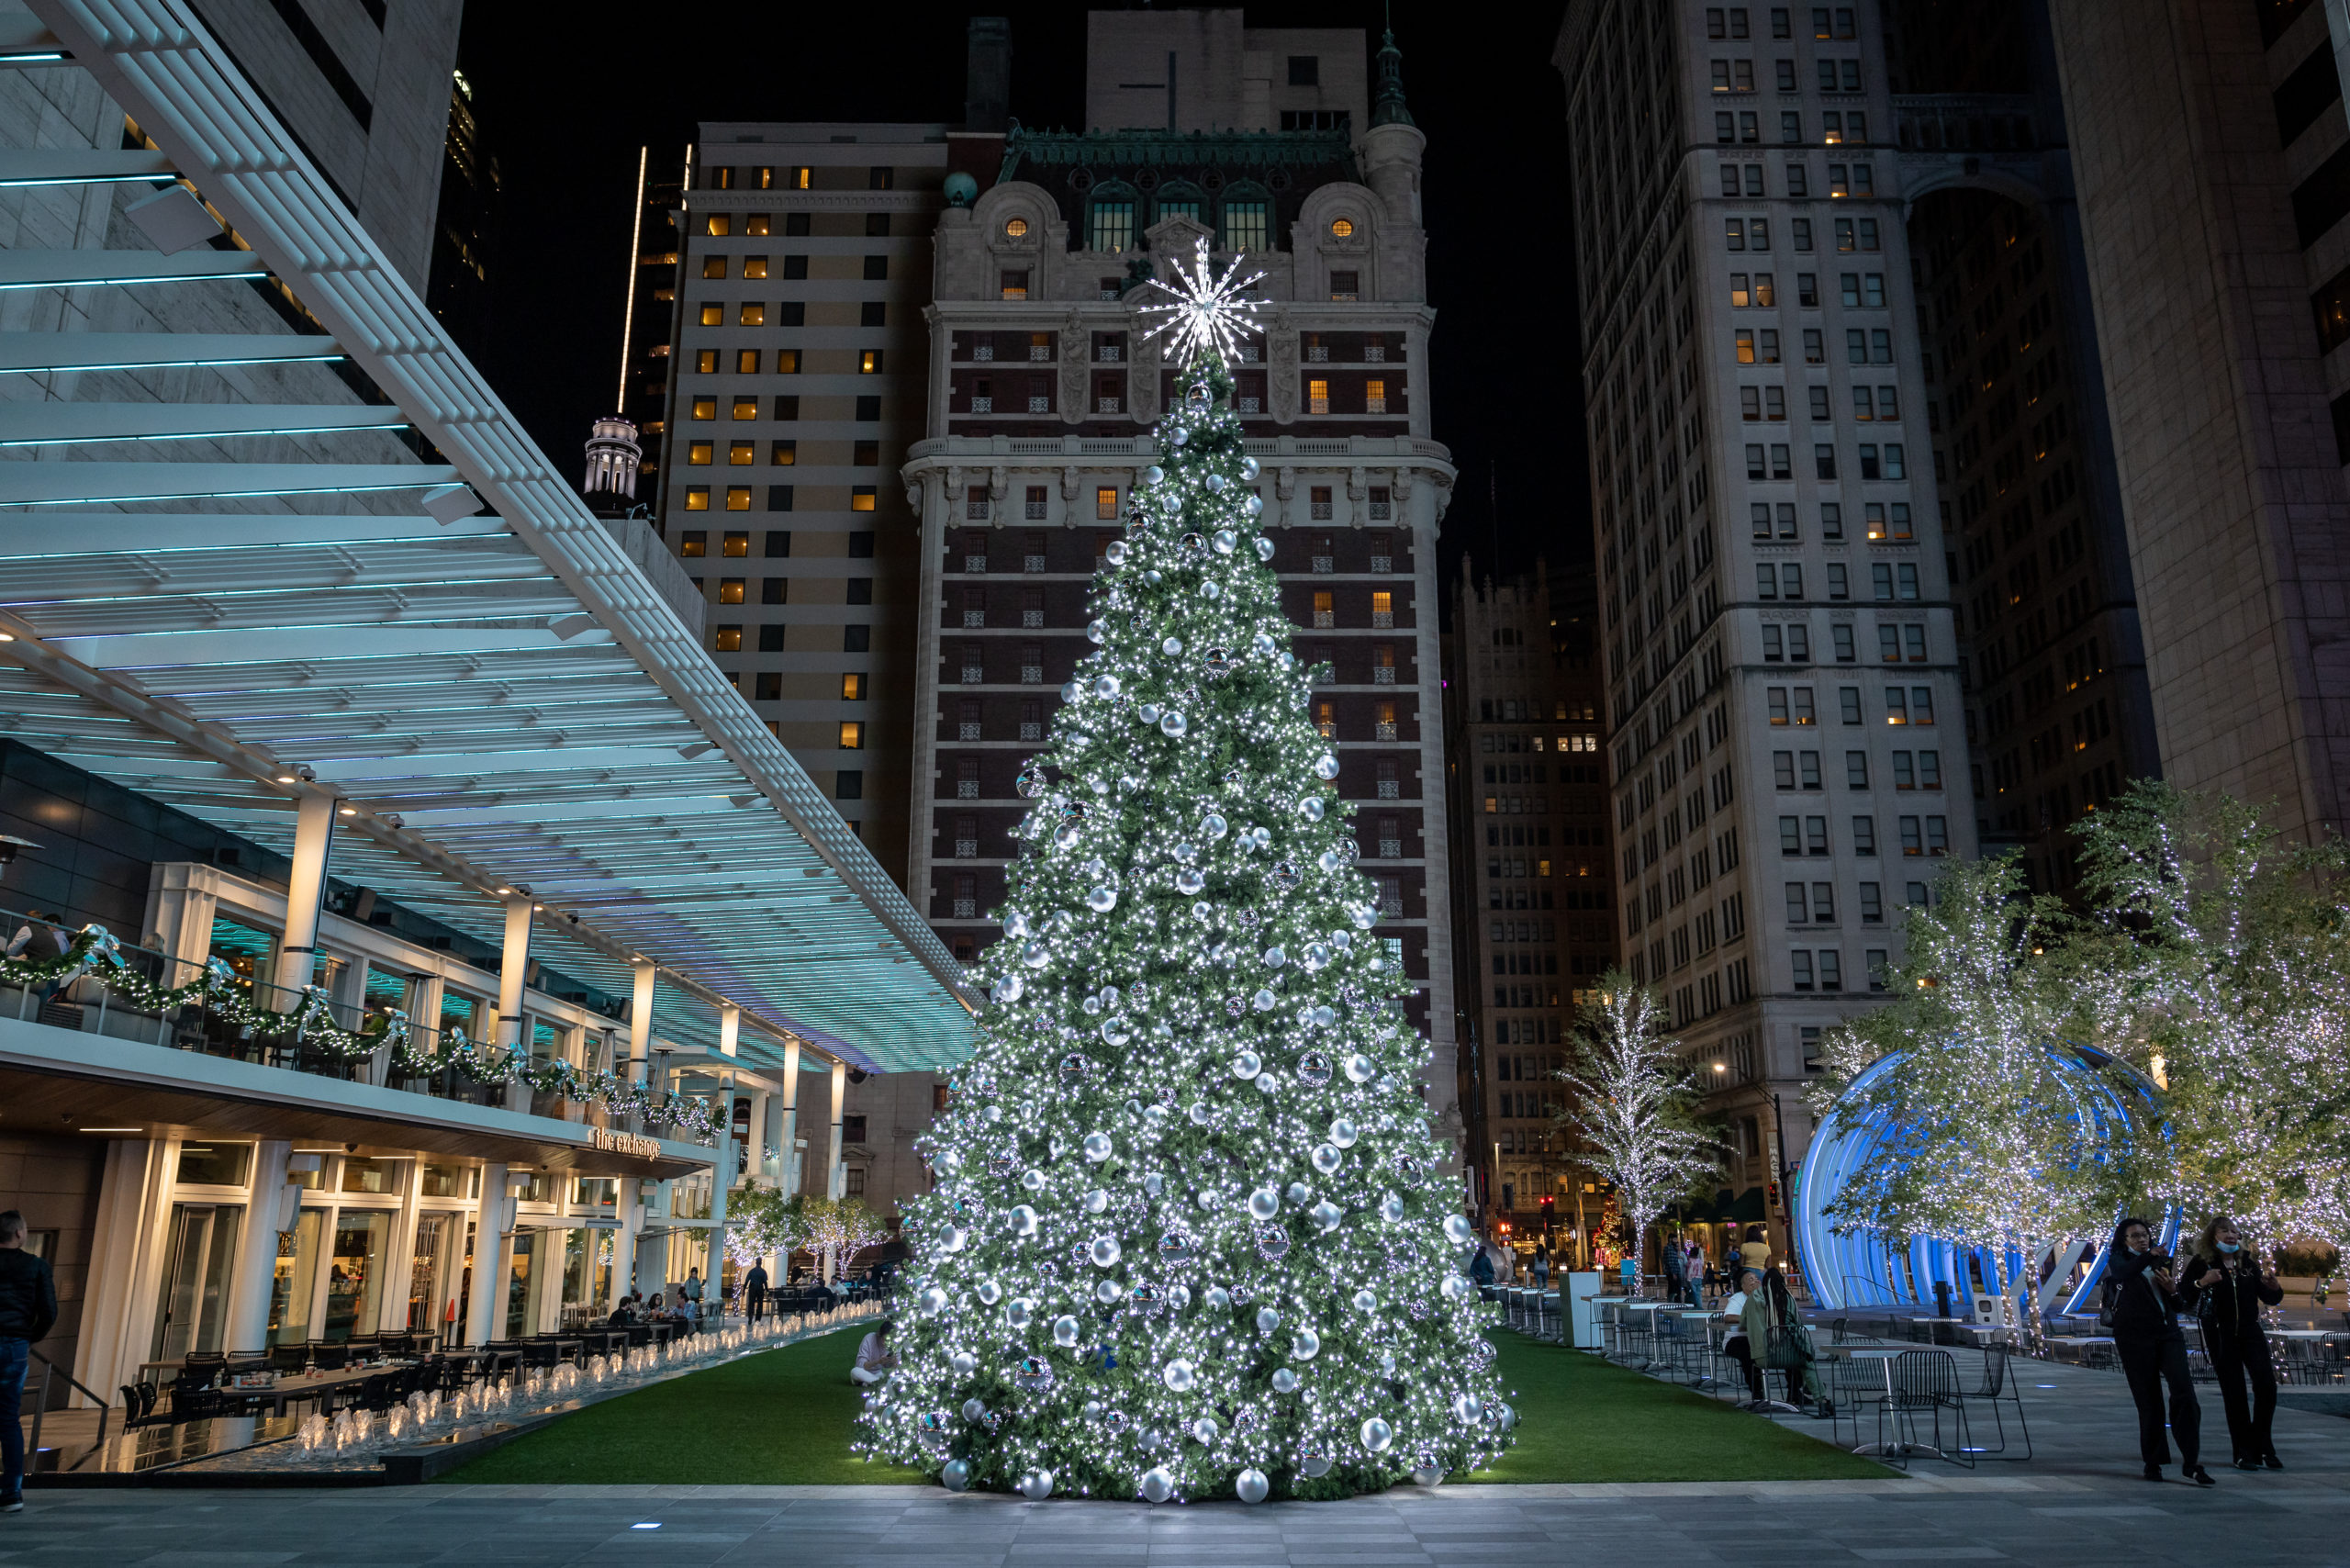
2079,1500
2299,1517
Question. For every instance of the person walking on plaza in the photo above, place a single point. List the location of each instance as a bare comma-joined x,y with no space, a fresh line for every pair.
1675,1264
1541,1267
1754,1256
2230,1288
1693,1271
755,1292
2142,1303
27,1312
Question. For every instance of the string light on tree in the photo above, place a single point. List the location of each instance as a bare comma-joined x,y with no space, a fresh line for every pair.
1190,1236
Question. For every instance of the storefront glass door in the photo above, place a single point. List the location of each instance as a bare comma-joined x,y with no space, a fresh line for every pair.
355,1273
521,1287
196,1279
426,1298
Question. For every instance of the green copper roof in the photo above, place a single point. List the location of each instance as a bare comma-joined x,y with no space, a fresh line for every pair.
1388,107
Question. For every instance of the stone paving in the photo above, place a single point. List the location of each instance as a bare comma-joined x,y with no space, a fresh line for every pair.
2078,1501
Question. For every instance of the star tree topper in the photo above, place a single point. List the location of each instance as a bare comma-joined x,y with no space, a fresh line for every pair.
1207,315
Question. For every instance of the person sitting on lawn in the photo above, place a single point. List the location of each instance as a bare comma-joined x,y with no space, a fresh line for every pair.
875,1359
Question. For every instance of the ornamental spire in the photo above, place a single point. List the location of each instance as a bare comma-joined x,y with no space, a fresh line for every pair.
1388,107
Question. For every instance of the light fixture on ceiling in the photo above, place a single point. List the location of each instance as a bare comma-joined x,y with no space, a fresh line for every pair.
114,1129
393,818
10,843
451,503
7,636
347,811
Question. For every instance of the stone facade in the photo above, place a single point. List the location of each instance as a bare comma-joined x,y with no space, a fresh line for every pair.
2210,236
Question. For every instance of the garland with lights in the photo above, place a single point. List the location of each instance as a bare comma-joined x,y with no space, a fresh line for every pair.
95,954
1192,1236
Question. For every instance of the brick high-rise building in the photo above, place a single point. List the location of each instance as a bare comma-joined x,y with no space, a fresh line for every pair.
1533,890
1043,391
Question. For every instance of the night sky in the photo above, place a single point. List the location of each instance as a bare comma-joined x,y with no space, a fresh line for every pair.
564,108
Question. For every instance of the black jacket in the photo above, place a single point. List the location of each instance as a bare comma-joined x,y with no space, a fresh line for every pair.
27,1295
2139,1308
2231,1307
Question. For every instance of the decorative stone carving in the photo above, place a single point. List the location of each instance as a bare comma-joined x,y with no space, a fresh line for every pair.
1281,348
1142,383
1284,490
1077,359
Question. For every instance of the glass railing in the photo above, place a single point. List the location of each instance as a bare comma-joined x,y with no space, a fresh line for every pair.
90,981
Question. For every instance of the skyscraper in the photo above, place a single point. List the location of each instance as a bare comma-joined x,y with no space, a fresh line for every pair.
1271,145
2213,163
1783,698
1533,892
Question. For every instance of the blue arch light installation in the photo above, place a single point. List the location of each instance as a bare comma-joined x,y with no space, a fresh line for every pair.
1867,1268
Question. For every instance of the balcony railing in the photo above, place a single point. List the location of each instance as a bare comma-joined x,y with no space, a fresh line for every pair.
970,731
1383,675
975,563
1324,564
1385,732
984,405
966,849
975,674
100,985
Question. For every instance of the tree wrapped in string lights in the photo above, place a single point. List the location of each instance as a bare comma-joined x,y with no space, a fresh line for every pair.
1192,1236
1995,1138
2218,961
1631,1103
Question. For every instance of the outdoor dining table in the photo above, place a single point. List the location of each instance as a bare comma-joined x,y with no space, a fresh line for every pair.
1885,1358
292,1388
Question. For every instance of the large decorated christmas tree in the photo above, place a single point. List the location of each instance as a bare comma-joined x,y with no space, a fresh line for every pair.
1190,1236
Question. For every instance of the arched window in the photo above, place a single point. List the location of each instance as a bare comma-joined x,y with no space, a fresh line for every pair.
1110,216
1247,218
1180,198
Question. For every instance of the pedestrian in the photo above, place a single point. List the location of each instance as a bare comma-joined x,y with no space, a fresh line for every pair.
27,1312
1693,1270
2142,1302
1750,1330
755,1292
1675,1264
2230,1290
1754,1256
689,1297
875,1357
1541,1267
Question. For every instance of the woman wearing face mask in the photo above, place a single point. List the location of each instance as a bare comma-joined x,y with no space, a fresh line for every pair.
2230,1290
2142,1304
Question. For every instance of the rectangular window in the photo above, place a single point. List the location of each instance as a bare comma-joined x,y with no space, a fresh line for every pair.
1318,397
1864,835
852,734
1111,226
1248,226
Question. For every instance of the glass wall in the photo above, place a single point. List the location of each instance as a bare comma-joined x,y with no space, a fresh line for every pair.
355,1273
523,1286
295,1285
428,1309
196,1278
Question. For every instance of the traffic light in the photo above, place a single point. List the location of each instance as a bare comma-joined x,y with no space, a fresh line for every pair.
1549,1206
1772,1197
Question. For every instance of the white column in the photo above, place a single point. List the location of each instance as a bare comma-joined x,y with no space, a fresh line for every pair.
491,1210
133,1229
513,964
631,1209
313,836
787,1176
838,1177
399,1254
639,1024
762,1112
730,1028
269,1208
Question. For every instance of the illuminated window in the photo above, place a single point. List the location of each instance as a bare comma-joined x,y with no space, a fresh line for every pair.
698,453
795,179
1014,281
1318,397
707,409
1374,397
786,361
755,266
741,453
729,640
1015,229
736,545
729,590
714,315
852,687
720,223
738,498
745,407
868,362
852,734
1382,609
752,314
1105,502
694,542
746,361
1342,228
1325,610
783,453
706,362
860,498
713,266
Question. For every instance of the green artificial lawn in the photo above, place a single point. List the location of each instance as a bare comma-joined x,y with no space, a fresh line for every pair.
1584,1418
780,1417
788,1417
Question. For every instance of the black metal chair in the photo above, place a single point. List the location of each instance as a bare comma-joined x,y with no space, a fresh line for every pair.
1925,1383
288,1358
1998,1387
330,1355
